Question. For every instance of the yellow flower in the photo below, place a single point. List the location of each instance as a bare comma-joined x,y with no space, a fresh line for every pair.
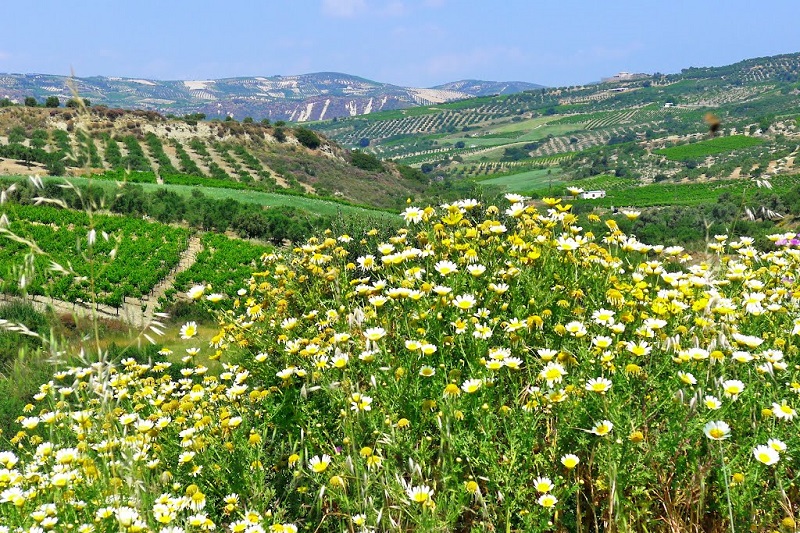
636,437
451,390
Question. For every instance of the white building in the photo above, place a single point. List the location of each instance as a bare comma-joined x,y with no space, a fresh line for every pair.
591,195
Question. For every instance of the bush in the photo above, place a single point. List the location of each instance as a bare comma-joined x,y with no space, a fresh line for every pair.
307,138
365,161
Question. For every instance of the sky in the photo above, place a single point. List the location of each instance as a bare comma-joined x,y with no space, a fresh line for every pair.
412,43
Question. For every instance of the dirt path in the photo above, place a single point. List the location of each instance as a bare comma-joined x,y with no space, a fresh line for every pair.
135,312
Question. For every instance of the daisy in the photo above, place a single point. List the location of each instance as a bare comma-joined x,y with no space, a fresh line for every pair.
732,388
717,430
766,454
576,329
601,429
552,373
319,464
547,500
413,215
427,371
196,292
464,301
445,267
188,330
712,402
570,461
420,493
600,384
783,411
375,334
777,445
471,385
542,484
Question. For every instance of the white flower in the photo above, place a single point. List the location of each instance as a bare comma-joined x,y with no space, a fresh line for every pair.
196,292
717,430
601,429
766,454
188,330
413,215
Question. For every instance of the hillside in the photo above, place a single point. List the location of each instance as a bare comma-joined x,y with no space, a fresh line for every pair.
492,363
243,156
609,128
299,98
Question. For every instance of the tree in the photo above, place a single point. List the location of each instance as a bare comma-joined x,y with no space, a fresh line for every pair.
365,161
364,142
279,134
515,153
307,138
247,120
265,122
5,102
16,135
74,103
52,101
30,101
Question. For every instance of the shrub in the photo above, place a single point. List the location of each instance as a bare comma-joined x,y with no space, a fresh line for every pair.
307,138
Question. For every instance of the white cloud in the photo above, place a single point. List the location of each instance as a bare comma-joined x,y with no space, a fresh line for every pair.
343,8
4,55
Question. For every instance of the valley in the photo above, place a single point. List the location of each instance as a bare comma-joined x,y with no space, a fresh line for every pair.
552,309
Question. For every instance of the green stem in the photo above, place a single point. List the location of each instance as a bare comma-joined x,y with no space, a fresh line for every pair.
727,489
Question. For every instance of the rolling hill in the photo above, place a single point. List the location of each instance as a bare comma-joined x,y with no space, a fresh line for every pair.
616,127
299,98
147,147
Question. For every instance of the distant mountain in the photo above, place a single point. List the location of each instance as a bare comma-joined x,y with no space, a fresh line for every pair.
488,88
301,98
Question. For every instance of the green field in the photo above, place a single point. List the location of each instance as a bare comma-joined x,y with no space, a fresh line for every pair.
709,147
143,254
317,206
527,181
663,194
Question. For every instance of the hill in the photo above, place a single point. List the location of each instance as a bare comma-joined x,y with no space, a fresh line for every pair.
228,154
300,98
619,127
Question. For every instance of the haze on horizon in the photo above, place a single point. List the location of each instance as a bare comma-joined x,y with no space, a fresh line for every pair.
414,43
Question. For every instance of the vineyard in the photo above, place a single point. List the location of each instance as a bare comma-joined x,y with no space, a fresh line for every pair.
110,257
662,194
709,147
223,263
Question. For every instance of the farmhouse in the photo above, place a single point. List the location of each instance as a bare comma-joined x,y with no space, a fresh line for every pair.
591,195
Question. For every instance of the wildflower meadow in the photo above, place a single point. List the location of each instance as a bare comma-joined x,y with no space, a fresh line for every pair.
485,368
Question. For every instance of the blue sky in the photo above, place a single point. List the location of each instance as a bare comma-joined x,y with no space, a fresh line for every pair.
406,42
